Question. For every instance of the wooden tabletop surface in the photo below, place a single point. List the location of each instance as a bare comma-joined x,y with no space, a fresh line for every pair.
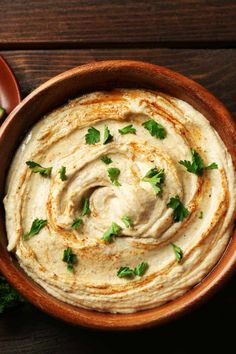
41,38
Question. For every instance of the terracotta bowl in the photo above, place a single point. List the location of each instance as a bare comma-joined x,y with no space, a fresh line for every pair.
55,92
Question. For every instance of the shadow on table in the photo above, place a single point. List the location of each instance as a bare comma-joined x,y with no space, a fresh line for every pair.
207,329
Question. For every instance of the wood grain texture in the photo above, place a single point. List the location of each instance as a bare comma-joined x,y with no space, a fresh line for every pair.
214,69
89,21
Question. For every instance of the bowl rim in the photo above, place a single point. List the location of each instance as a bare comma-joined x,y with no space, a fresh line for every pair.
156,316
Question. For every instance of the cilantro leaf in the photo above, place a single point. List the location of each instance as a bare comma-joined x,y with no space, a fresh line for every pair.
113,174
2,112
92,136
70,258
155,129
62,172
125,272
127,221
36,168
8,295
180,212
113,230
212,166
178,252
197,165
141,269
107,136
36,226
85,210
107,160
129,129
76,224
156,178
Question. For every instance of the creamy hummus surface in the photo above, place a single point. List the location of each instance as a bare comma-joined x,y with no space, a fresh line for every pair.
177,241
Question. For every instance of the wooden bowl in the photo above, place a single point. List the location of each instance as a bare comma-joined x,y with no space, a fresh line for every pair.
9,89
55,92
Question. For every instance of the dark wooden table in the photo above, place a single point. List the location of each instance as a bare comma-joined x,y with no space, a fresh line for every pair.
42,38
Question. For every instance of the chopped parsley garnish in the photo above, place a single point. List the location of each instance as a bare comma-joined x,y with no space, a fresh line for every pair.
129,129
212,166
113,230
8,295
62,172
126,272
178,252
113,174
155,129
76,224
141,269
107,160
200,215
92,136
2,112
85,210
70,258
107,136
36,226
197,165
180,212
127,221
36,168
156,178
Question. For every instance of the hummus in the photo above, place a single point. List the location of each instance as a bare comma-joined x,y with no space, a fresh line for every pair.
59,140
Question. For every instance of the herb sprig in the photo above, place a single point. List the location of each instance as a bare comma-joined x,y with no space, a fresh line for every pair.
70,258
156,178
36,226
126,272
37,168
197,165
155,129
180,212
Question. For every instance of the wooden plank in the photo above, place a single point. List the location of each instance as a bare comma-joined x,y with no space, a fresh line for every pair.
89,21
214,69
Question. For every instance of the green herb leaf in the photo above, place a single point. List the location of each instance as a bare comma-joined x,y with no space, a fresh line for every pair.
85,210
113,230
106,160
129,129
141,269
200,215
178,252
113,174
156,178
8,295
92,136
107,136
155,129
180,212
197,165
125,272
76,224
127,221
2,112
62,172
212,166
36,226
70,258
36,168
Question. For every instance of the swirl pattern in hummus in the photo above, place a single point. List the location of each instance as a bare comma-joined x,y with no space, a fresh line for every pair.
59,140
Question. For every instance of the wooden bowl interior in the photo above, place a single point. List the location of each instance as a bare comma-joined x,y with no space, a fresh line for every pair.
56,92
